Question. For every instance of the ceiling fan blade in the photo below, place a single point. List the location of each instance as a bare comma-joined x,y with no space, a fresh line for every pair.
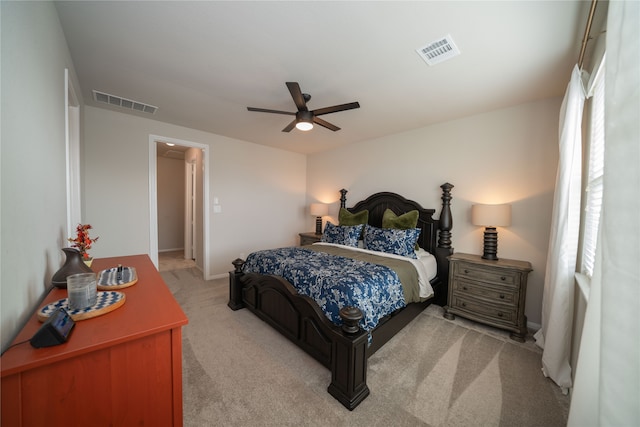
265,110
335,108
325,123
289,126
296,94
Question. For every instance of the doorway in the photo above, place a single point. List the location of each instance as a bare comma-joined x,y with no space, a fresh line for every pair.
183,224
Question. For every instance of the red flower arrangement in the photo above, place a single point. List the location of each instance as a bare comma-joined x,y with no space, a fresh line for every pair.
82,241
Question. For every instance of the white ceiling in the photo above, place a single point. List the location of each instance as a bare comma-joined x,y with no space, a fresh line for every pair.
202,63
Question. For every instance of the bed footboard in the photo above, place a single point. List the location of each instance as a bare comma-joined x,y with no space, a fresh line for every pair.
343,350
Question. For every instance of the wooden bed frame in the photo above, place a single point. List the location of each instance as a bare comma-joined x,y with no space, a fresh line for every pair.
344,349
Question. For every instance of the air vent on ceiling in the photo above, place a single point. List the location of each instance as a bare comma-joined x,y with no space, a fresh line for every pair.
118,101
439,50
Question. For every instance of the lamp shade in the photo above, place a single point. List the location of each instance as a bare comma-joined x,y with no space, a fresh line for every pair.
491,215
319,209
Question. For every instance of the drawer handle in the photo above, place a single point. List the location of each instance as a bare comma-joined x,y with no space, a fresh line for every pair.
499,314
464,288
503,278
464,304
501,296
466,271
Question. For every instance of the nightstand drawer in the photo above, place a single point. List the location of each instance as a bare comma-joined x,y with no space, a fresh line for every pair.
473,308
504,294
475,272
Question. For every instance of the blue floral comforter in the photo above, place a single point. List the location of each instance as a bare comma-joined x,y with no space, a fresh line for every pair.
334,281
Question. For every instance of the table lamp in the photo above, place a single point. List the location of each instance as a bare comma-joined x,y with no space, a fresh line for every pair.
491,216
319,210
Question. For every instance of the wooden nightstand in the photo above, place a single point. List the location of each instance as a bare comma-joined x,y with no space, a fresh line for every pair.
309,238
490,292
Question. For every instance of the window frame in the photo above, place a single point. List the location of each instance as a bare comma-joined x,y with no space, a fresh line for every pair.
594,172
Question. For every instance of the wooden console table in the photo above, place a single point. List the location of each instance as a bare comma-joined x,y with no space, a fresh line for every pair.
123,368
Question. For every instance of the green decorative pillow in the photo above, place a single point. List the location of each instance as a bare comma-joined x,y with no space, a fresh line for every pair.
405,221
347,218
402,222
350,219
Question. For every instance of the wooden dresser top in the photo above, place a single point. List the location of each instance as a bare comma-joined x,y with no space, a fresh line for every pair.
149,308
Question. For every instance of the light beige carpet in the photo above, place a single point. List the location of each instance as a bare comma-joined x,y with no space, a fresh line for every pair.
238,371
174,260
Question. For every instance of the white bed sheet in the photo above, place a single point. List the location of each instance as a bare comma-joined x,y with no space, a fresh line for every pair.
425,265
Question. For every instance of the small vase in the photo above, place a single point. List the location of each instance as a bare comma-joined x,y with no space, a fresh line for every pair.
73,265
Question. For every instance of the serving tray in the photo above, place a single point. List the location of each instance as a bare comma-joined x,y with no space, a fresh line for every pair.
109,279
105,303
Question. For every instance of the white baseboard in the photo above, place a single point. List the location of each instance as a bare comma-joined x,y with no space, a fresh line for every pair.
533,326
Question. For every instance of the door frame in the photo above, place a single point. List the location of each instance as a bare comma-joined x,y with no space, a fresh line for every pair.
72,148
190,201
153,199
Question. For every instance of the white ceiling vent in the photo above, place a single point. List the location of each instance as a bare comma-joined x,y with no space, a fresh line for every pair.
118,101
439,50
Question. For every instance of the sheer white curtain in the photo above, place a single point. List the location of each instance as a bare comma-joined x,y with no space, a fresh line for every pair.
607,380
557,304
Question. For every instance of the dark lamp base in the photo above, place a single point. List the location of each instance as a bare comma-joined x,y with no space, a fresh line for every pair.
490,251
318,225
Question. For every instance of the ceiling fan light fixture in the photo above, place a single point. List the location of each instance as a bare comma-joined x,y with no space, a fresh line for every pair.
304,120
304,126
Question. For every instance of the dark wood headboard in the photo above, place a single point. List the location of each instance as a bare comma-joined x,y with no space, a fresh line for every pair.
436,233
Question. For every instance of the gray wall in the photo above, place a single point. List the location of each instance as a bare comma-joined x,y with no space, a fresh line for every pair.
504,156
261,190
33,171
171,203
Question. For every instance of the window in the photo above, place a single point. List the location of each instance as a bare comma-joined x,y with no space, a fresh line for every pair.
593,204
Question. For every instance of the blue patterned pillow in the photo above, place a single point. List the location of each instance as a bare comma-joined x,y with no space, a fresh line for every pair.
342,234
391,240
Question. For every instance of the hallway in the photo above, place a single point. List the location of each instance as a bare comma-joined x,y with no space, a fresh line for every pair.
174,260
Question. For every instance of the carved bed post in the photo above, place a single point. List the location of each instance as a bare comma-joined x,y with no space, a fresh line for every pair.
349,361
446,221
444,249
343,198
235,288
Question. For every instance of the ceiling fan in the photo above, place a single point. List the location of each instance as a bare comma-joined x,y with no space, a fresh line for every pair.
304,118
